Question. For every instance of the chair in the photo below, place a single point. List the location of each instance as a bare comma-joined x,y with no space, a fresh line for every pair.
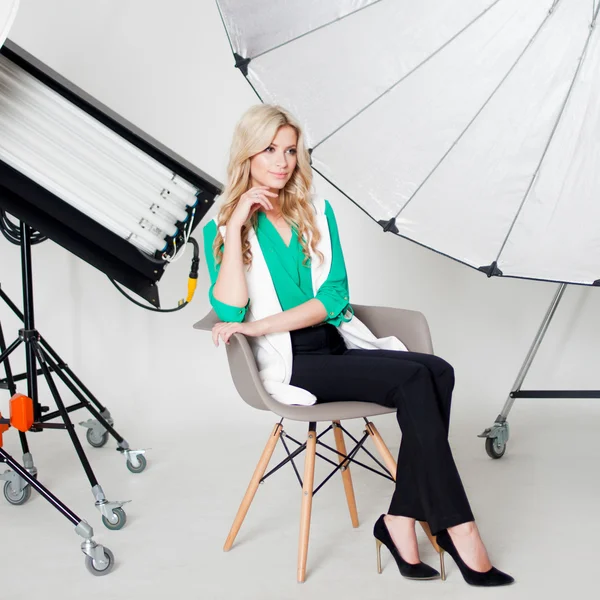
407,325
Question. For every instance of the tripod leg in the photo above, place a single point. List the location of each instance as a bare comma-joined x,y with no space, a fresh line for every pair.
113,515
99,429
58,360
99,560
496,436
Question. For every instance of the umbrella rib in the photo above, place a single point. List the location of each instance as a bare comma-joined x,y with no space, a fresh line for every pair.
225,26
464,131
404,77
435,250
232,50
422,245
315,29
551,136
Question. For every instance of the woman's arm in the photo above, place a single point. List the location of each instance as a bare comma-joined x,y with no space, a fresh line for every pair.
334,292
230,287
304,315
309,313
226,312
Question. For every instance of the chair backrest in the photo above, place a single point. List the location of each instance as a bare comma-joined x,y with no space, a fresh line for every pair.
409,326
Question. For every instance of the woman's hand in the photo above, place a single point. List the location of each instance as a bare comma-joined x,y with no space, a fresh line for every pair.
224,331
249,203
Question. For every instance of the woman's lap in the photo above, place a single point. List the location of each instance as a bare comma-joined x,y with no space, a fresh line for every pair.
361,375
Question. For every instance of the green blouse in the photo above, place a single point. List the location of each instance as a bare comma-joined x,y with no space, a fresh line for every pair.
292,279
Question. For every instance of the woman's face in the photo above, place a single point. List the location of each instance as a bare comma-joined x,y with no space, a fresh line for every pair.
274,166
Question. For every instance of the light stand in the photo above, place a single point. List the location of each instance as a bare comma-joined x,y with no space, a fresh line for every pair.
75,172
42,359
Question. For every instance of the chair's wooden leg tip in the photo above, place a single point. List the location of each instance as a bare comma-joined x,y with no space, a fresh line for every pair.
301,577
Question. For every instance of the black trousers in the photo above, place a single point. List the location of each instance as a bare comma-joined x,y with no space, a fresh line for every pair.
419,386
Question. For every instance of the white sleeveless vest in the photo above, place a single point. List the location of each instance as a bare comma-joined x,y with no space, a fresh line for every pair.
273,352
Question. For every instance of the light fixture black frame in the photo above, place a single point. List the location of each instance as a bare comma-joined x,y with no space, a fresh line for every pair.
70,228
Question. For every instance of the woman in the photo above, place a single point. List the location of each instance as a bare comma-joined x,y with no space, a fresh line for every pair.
278,276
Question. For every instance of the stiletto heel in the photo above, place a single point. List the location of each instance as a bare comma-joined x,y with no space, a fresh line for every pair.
408,570
442,565
490,578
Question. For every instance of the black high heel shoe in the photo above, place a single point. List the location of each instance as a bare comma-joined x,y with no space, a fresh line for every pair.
418,571
490,578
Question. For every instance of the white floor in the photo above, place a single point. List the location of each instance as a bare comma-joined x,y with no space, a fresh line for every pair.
536,508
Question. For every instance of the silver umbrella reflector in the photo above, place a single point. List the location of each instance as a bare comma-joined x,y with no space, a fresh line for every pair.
8,12
471,128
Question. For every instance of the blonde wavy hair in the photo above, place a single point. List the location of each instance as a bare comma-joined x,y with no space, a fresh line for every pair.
254,132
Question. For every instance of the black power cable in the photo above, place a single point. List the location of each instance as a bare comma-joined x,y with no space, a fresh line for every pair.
192,281
12,231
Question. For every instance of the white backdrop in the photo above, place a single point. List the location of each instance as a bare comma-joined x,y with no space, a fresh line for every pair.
170,71
167,67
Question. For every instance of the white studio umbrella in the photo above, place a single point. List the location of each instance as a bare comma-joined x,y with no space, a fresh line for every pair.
468,127
8,12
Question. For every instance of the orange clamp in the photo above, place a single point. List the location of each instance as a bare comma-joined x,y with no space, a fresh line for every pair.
21,412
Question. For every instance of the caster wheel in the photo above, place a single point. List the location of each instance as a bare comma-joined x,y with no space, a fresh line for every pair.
16,498
143,463
96,440
493,449
90,564
119,523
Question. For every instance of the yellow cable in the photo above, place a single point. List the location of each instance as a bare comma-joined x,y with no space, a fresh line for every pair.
192,282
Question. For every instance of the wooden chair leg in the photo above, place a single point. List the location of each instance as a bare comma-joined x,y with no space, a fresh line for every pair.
390,463
261,467
307,494
346,476
383,450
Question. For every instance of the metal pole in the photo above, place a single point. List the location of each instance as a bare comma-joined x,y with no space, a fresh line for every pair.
10,384
532,352
28,317
41,358
35,484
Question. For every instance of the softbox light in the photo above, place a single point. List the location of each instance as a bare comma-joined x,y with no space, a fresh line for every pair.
94,183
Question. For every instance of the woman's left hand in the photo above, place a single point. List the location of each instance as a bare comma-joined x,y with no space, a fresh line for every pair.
224,331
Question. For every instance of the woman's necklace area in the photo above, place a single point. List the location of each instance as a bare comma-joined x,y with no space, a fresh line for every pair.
282,226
